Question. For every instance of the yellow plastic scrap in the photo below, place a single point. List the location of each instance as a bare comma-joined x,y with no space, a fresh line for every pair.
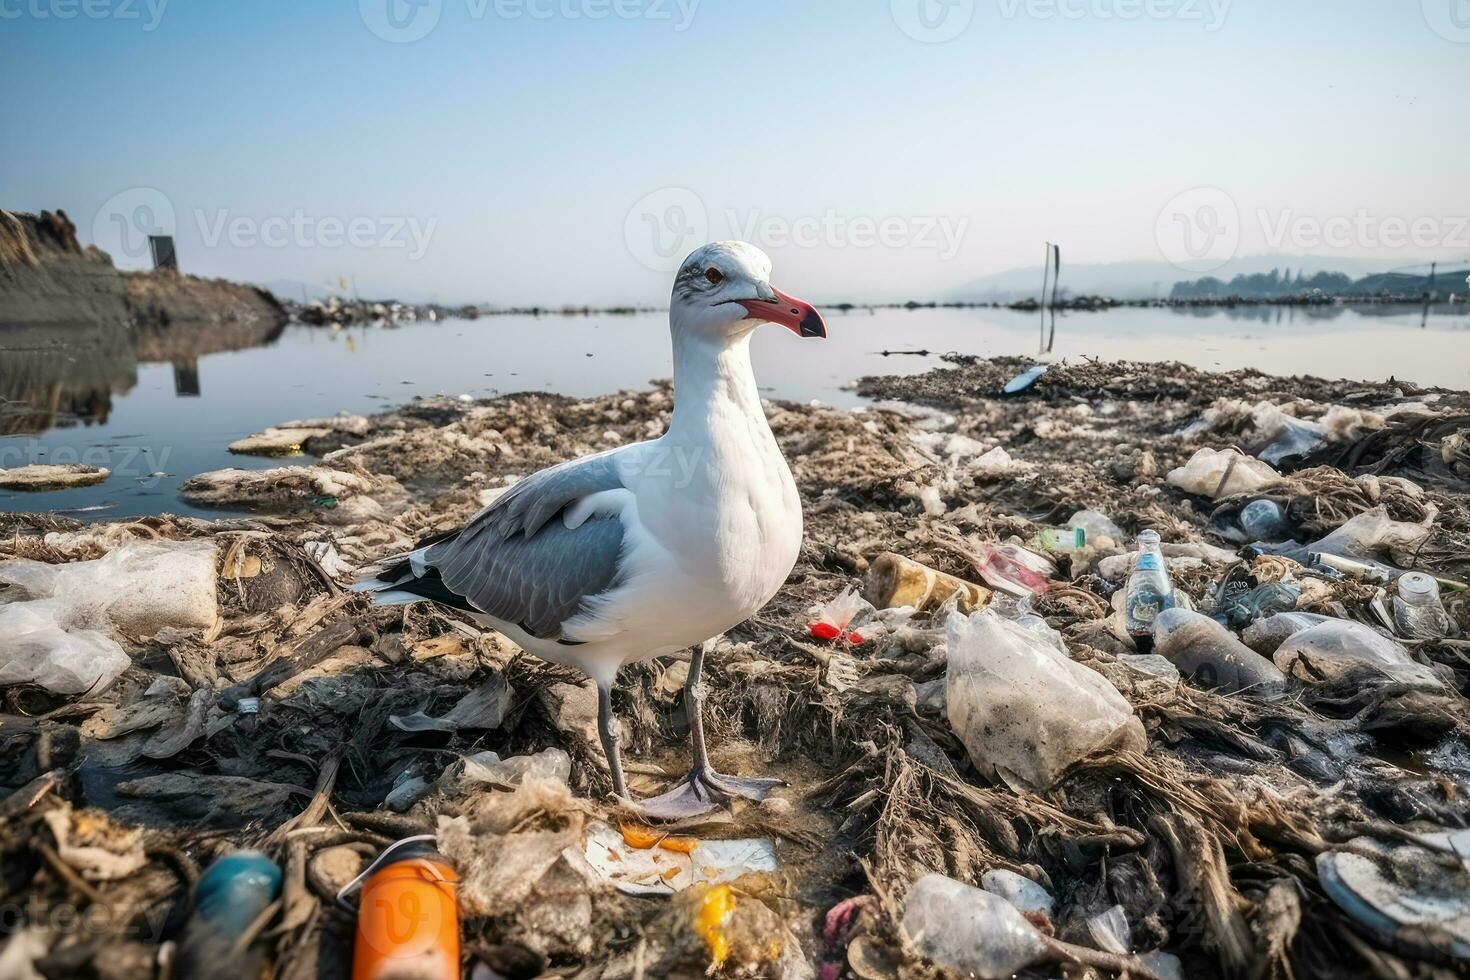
710,921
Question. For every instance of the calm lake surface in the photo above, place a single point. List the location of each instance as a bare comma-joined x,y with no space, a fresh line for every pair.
162,408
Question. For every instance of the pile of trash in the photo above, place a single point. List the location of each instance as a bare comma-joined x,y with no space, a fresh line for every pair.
1146,672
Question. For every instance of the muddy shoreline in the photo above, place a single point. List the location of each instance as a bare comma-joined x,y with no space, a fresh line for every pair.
1209,840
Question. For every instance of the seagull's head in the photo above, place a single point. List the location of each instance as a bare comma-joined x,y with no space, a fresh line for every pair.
724,290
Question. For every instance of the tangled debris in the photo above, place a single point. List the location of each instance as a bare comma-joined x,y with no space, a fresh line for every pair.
1313,830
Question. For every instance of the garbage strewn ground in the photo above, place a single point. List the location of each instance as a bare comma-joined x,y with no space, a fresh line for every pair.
1268,781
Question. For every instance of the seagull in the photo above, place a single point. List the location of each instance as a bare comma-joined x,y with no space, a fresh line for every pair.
651,548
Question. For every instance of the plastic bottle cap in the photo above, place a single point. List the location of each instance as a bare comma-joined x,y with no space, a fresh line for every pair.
1417,585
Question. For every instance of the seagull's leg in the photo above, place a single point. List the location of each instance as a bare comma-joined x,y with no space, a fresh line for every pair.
612,739
703,790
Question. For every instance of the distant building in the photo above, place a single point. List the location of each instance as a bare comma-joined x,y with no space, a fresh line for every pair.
164,256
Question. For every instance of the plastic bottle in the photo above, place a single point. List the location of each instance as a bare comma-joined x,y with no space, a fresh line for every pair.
1149,591
1417,611
1059,539
229,896
969,930
408,918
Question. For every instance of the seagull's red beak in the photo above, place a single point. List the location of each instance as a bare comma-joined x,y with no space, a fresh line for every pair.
797,315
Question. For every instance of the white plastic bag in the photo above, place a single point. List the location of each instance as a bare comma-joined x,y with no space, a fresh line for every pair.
137,588
1205,474
34,649
1331,650
1024,710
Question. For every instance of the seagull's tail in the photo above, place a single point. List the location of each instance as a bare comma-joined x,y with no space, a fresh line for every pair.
409,577
383,579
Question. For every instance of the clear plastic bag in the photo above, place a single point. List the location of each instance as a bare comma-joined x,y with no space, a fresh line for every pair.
1265,635
1023,709
1370,536
34,649
1332,650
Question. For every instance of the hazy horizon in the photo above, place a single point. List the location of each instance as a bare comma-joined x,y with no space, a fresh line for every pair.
566,152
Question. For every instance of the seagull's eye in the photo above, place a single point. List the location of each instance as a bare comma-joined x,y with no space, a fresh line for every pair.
715,276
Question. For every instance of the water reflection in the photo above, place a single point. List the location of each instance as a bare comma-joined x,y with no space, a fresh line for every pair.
65,375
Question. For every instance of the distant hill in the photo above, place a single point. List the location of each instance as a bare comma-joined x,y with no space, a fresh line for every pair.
1145,280
1279,285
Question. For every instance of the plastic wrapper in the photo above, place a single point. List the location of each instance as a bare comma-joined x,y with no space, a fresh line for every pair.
1025,711
969,930
833,620
1222,473
1332,650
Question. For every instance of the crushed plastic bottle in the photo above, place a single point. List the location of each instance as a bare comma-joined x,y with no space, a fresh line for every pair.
969,930
1149,591
1210,655
1015,571
1417,612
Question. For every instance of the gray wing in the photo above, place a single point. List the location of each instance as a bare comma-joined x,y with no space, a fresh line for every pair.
515,562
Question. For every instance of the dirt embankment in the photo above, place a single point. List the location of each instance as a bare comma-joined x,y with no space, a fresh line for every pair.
47,277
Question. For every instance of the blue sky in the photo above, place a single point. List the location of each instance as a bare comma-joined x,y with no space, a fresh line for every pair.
519,154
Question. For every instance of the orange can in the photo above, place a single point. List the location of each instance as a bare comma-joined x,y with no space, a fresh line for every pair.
408,919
